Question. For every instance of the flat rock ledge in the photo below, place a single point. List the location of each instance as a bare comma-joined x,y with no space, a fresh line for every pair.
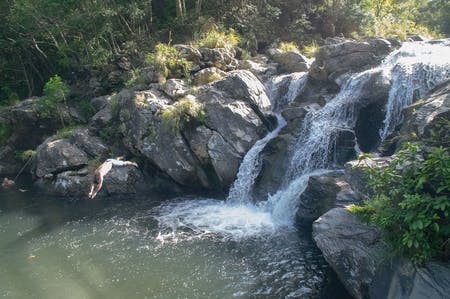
368,268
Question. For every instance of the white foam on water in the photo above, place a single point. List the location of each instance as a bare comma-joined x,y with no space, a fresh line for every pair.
202,217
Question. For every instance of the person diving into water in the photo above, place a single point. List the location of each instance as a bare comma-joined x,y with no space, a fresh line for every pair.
102,170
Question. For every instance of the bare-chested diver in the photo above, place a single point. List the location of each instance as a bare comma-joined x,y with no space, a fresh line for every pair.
102,170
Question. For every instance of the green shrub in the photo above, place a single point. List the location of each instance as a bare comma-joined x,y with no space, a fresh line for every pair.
166,59
26,155
55,92
181,113
311,49
218,39
5,133
65,132
288,47
412,200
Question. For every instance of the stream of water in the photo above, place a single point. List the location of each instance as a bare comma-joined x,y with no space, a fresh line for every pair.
54,248
200,247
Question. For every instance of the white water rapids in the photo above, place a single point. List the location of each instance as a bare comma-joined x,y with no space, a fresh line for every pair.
413,70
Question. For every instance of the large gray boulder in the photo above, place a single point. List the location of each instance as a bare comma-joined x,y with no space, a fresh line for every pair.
199,154
366,265
54,156
89,143
422,116
350,56
352,249
289,61
236,108
144,135
322,193
221,58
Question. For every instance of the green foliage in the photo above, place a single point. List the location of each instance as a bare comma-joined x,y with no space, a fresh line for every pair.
166,59
288,47
5,133
411,200
388,18
65,132
55,92
218,39
184,111
26,155
311,49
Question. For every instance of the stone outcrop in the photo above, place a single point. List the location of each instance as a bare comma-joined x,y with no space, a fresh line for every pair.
349,56
323,192
221,58
368,268
289,61
199,154
208,75
55,156
423,115
352,249
356,176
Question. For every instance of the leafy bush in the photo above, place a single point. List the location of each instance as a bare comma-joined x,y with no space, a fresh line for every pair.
166,59
218,39
181,113
55,92
65,132
411,200
288,47
311,49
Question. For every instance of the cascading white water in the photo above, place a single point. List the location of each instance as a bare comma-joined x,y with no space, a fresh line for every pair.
414,68
240,191
417,68
284,89
321,128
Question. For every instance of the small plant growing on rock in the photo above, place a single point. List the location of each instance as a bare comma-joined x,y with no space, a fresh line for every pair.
311,49
65,132
288,47
166,59
218,39
184,111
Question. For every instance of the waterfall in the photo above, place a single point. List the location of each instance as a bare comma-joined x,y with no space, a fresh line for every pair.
320,130
413,70
417,68
284,89
250,167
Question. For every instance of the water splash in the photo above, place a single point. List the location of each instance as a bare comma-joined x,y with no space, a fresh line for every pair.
283,204
417,67
241,190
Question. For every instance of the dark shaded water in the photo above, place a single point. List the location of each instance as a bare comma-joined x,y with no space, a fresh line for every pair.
55,248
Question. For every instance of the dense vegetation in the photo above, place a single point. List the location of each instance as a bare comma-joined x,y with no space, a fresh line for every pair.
81,39
411,200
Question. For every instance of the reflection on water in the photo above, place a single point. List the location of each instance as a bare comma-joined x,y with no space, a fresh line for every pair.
54,248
